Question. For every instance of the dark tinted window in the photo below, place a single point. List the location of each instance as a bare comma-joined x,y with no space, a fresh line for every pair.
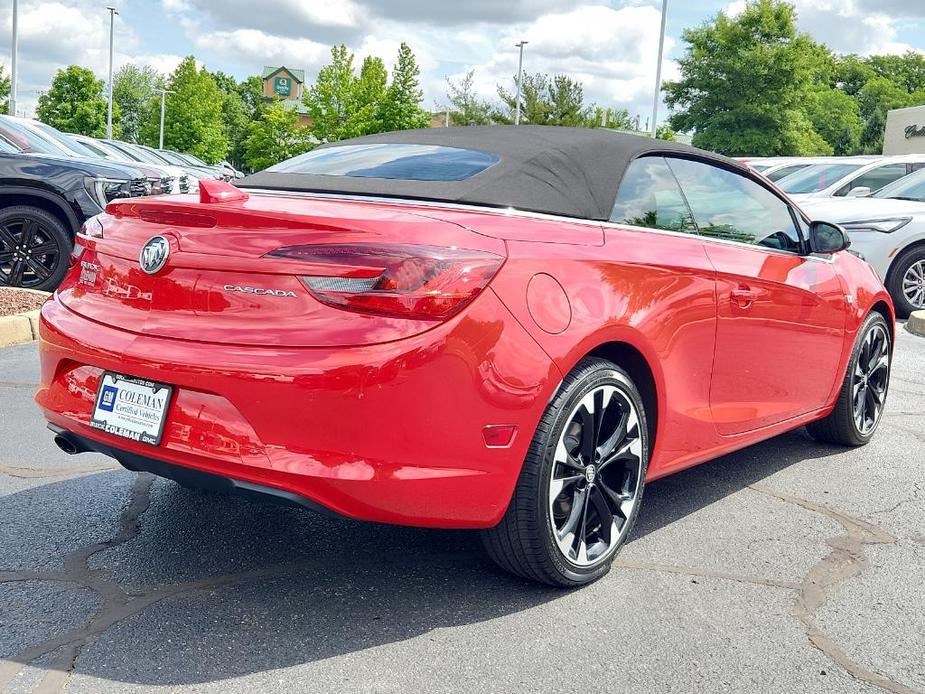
875,179
649,196
727,205
394,161
785,171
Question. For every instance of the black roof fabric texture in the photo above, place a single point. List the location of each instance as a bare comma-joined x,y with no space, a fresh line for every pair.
572,172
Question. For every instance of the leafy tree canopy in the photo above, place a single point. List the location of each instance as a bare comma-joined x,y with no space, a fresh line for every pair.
275,136
75,103
133,90
194,120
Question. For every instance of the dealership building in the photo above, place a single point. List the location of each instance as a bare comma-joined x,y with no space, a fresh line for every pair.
905,131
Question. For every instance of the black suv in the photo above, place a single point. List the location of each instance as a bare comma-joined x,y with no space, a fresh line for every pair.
44,200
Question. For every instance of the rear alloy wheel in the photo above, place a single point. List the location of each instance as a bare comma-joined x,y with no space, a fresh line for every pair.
862,397
906,282
580,489
34,248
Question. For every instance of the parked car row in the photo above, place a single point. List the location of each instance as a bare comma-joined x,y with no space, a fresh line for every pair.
52,182
879,200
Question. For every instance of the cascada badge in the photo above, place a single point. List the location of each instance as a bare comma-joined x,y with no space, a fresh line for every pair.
154,254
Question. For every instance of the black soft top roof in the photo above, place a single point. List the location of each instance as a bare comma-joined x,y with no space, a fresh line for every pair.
572,172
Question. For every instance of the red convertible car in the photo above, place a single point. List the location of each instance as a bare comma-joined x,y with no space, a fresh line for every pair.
511,329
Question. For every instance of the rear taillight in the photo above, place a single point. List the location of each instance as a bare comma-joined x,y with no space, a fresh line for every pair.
408,281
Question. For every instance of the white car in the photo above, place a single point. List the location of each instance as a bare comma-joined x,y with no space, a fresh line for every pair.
849,176
887,229
783,168
181,181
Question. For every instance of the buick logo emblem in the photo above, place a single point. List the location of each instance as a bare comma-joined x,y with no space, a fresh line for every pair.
154,254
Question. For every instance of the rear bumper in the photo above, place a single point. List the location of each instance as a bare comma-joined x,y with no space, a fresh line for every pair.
389,433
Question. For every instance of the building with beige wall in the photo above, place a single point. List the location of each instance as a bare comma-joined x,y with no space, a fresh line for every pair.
287,85
905,131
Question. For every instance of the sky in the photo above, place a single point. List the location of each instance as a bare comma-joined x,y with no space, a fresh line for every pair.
610,47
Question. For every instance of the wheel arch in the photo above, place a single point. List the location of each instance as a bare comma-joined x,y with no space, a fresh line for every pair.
914,246
50,202
628,357
884,310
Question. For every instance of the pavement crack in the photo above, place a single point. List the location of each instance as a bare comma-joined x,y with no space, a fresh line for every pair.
26,473
116,603
846,560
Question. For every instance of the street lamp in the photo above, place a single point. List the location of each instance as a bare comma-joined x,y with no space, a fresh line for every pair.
15,46
112,22
520,72
164,93
658,69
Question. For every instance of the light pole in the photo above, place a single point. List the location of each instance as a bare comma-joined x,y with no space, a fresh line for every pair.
112,23
520,73
15,46
658,69
164,93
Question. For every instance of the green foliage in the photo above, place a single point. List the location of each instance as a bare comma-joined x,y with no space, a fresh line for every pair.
4,91
744,82
613,118
194,120
241,106
547,100
876,97
275,136
75,103
343,104
466,108
133,91
836,116
664,132
401,108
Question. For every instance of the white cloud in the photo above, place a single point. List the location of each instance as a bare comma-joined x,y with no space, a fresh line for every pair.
252,45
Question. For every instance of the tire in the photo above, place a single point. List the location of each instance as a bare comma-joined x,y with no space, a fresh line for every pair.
905,275
534,539
34,248
867,377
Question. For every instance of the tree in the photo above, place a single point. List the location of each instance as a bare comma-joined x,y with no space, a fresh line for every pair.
613,118
75,103
534,103
876,97
239,110
4,91
194,120
836,117
744,83
332,99
566,103
401,109
274,137
133,90
370,95
466,108
664,132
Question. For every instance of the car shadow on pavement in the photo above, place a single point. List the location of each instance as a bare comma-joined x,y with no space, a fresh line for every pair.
226,587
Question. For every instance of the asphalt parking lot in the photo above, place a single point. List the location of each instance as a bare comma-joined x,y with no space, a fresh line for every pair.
789,566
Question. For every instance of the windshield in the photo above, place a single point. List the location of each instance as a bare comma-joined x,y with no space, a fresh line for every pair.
138,153
785,171
7,147
64,140
28,140
815,178
393,161
172,157
911,187
195,161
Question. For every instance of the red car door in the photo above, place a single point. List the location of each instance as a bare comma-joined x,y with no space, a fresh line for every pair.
781,314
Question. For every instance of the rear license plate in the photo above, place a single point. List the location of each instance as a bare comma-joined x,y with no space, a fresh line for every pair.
131,407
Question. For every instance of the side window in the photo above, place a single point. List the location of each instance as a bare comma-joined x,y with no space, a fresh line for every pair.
649,196
874,179
729,206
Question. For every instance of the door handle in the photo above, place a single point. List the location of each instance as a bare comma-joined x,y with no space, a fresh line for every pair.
743,297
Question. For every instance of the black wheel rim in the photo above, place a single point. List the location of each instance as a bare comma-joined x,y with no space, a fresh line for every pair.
870,379
29,253
596,476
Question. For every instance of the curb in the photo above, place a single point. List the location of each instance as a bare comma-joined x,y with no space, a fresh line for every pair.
916,323
20,327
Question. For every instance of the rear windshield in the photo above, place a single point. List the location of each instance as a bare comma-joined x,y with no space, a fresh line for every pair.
817,177
393,161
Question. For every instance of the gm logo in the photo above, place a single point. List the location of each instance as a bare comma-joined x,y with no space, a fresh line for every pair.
108,398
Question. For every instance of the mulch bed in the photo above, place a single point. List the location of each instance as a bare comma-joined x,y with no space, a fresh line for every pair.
17,301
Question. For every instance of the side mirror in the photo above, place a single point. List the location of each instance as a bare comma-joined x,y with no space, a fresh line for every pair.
825,237
859,192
